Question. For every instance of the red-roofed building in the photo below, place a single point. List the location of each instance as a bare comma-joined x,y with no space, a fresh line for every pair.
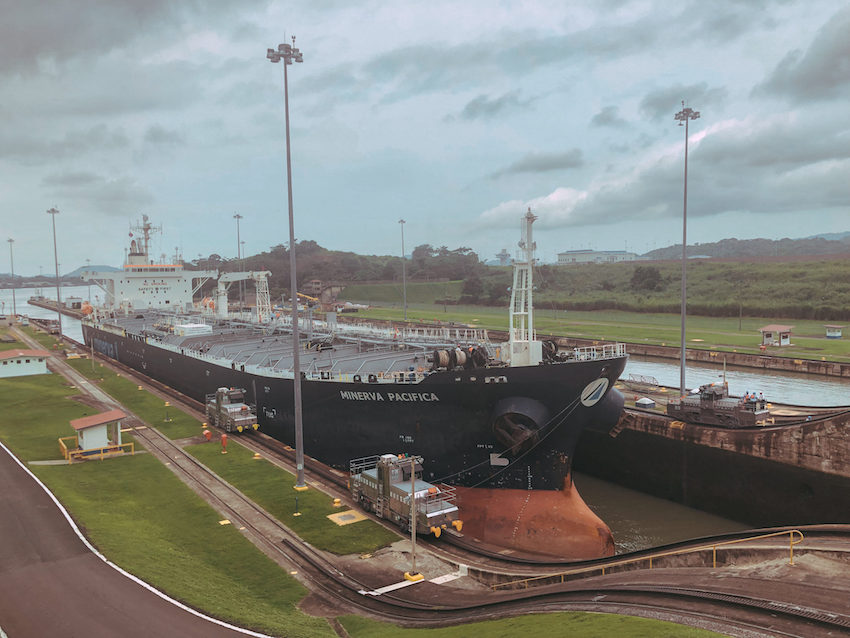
776,335
93,431
20,362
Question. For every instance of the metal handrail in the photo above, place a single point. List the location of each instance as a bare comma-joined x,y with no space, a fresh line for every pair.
795,537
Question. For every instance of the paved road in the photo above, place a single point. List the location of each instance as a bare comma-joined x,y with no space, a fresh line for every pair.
51,584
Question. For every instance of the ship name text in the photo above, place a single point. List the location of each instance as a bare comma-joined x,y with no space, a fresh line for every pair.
390,396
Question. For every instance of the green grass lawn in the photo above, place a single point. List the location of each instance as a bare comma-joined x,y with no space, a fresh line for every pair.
36,413
10,345
47,341
148,407
720,333
555,625
272,488
147,521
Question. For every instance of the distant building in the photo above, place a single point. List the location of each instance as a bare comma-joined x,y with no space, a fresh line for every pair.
504,258
312,287
776,335
20,363
833,332
571,257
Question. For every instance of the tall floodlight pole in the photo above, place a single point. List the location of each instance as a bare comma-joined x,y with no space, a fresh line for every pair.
684,116
88,268
53,212
289,54
403,269
12,261
237,217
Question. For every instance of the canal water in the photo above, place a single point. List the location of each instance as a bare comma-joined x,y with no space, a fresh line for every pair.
637,520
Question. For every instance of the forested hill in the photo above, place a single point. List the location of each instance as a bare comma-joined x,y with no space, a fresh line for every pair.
744,248
425,263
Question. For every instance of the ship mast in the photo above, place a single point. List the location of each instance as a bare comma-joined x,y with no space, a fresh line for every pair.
139,250
524,349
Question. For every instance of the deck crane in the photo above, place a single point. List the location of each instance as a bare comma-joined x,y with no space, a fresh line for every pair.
261,283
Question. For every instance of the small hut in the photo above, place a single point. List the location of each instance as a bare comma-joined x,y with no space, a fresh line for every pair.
833,332
776,335
99,434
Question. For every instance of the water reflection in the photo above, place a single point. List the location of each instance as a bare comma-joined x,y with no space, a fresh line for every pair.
639,521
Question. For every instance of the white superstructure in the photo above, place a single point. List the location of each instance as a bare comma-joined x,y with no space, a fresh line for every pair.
143,284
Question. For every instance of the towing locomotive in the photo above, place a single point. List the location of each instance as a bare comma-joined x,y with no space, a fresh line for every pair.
383,485
226,409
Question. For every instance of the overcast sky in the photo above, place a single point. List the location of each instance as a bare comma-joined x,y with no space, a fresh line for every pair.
456,116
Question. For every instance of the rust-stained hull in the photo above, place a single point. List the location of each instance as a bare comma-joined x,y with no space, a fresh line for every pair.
555,522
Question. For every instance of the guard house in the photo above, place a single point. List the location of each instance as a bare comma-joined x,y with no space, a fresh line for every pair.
21,363
833,332
97,435
776,335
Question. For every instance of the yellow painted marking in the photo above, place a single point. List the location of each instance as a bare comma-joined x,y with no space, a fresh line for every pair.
347,517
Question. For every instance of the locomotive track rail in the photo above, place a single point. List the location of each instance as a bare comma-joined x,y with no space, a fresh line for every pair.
730,612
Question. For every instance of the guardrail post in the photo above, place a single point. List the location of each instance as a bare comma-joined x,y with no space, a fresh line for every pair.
791,547
714,557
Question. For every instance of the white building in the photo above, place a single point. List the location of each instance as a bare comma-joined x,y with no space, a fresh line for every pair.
93,432
571,257
20,363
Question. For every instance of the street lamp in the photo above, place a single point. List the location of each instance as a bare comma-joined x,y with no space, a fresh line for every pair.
53,212
403,269
289,54
684,116
237,217
12,260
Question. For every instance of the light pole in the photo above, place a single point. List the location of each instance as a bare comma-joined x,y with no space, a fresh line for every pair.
289,54
403,269
12,260
88,268
685,115
237,217
53,212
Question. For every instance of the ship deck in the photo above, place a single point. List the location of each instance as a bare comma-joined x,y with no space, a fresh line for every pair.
335,351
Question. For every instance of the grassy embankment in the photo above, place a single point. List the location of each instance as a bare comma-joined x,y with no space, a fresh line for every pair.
263,482
817,288
573,624
729,334
156,528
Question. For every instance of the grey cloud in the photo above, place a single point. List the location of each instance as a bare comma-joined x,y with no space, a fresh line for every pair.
484,107
543,162
61,31
608,116
822,72
71,179
118,196
30,148
784,167
161,136
665,102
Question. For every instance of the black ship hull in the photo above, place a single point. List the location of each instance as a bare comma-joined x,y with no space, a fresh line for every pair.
461,422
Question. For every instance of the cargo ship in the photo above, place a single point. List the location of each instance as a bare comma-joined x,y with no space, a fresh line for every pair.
498,421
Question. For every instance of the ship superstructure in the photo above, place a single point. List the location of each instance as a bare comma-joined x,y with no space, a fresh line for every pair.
143,284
